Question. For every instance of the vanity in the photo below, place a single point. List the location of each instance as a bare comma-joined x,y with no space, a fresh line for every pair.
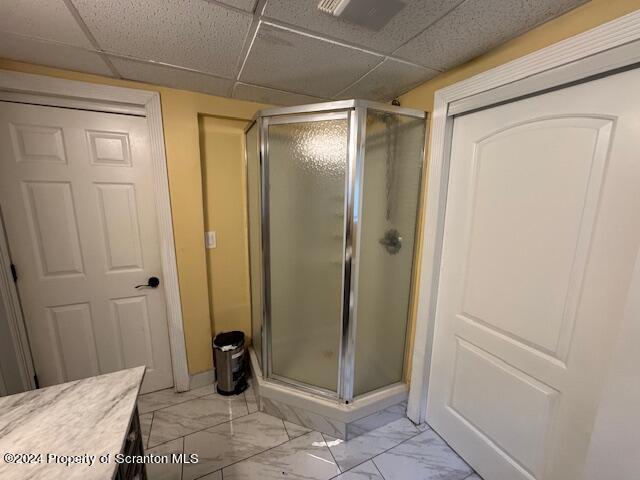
76,430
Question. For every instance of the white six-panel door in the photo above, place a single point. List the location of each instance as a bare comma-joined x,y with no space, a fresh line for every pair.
541,230
76,192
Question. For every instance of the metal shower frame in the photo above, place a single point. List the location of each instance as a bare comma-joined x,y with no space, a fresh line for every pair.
355,112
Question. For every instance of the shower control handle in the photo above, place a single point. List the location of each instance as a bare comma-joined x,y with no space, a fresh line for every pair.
392,241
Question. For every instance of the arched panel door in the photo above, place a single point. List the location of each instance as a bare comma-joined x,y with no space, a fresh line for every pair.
539,247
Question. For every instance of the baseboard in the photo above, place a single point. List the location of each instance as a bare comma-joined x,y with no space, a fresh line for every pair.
202,379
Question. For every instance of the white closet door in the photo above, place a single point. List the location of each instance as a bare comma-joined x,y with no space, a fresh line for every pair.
78,201
542,228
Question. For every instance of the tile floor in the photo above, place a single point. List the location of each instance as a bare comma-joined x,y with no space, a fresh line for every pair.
234,440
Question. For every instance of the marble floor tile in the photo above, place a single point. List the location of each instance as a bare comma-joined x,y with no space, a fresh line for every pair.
305,457
300,416
213,476
166,471
202,391
426,457
423,427
145,427
193,415
231,442
352,452
161,399
473,476
294,430
364,471
376,420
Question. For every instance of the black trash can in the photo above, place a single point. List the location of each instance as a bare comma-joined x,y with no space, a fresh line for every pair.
229,360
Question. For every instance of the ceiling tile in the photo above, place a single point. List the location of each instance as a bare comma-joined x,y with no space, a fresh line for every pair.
388,80
190,33
478,26
35,18
254,93
246,5
411,20
171,77
298,63
51,54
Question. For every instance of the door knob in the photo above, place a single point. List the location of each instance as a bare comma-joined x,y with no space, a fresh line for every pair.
153,282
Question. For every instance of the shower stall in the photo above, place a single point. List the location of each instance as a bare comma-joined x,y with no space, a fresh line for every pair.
332,196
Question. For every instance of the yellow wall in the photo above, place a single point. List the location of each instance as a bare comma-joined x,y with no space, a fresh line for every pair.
581,19
225,212
180,110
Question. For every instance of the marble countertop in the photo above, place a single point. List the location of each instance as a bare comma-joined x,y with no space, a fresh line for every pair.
84,418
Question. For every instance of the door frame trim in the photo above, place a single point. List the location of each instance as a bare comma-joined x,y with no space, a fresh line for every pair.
107,98
603,49
13,311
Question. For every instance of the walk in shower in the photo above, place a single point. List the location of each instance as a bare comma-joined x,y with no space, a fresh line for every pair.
332,194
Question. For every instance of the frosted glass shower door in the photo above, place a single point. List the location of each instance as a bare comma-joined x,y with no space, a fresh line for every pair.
306,175
389,211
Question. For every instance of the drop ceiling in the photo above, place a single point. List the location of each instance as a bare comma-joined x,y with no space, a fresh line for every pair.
283,52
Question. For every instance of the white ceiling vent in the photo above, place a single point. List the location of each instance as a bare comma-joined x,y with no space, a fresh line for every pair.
332,7
372,14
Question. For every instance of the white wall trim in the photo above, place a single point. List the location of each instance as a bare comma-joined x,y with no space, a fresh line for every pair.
125,100
597,50
202,379
13,312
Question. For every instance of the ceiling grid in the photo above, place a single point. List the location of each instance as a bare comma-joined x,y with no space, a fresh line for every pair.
282,52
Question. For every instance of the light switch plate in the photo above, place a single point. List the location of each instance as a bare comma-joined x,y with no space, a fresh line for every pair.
210,240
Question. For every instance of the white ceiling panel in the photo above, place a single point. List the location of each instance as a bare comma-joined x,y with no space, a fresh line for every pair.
246,5
298,63
51,54
254,93
476,26
388,80
297,55
411,20
171,77
45,19
189,33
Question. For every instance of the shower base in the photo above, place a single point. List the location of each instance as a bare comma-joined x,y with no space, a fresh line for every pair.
342,421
